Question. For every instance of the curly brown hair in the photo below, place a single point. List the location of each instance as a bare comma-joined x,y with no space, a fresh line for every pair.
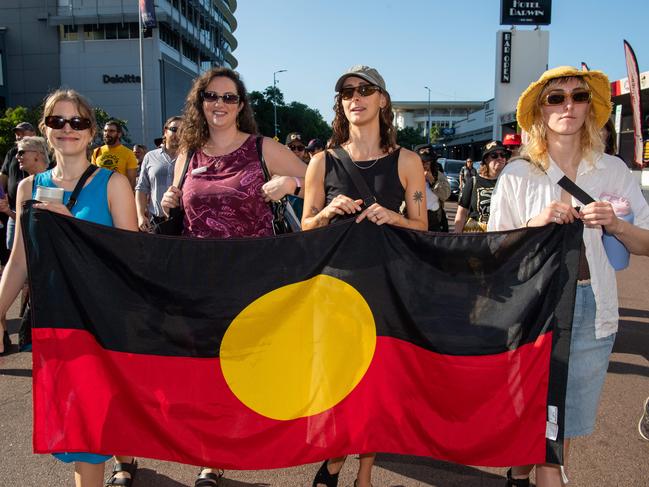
340,125
195,132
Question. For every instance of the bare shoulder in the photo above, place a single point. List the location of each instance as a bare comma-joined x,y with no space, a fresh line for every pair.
409,159
118,184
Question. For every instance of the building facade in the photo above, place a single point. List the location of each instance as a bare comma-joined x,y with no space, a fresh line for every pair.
93,46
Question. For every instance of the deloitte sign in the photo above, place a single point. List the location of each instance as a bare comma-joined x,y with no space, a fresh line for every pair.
524,12
125,78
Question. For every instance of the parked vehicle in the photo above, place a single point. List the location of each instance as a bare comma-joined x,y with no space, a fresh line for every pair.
452,170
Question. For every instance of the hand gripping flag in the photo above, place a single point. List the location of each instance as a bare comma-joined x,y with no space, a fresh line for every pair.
272,352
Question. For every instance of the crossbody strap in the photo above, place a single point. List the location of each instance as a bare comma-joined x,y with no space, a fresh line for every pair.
262,161
82,181
581,195
361,186
183,176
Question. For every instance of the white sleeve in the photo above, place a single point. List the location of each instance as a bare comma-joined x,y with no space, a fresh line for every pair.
504,213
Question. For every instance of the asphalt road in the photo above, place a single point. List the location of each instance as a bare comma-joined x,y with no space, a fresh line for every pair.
614,455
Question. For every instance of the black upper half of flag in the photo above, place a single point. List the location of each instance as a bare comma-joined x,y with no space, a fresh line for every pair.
472,294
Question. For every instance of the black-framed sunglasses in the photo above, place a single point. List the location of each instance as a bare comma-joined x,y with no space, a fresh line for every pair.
363,90
173,129
497,155
297,148
76,123
229,98
559,97
21,152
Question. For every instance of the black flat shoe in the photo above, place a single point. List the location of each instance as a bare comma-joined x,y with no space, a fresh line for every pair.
324,477
512,482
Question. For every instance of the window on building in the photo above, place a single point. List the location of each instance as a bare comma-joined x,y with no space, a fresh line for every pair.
169,37
110,31
123,31
69,32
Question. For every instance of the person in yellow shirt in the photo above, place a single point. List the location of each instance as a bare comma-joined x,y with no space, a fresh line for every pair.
113,155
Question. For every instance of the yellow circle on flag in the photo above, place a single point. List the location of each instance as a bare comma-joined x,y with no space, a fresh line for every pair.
300,349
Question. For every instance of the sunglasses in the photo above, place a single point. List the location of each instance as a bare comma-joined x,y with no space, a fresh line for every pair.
297,148
559,97
173,129
76,123
363,90
229,98
497,155
21,152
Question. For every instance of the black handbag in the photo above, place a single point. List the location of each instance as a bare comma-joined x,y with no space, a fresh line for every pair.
173,225
284,218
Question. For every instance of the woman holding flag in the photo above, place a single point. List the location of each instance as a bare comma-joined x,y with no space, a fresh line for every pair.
563,112
363,140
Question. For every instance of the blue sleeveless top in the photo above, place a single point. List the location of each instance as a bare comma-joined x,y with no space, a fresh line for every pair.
92,203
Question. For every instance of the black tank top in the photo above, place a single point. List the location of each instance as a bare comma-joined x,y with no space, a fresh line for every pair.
381,177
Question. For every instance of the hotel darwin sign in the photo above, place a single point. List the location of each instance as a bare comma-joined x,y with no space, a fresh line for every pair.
522,12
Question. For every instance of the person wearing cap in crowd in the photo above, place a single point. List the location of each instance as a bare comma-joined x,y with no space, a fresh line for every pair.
113,155
363,130
475,200
11,175
295,143
314,146
513,143
438,189
467,172
563,112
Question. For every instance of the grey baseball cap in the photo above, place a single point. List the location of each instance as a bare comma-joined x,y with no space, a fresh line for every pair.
24,126
370,75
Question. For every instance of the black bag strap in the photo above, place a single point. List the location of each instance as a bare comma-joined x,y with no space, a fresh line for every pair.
183,176
361,186
572,188
90,170
262,161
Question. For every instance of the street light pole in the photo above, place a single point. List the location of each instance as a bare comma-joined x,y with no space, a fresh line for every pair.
275,99
429,127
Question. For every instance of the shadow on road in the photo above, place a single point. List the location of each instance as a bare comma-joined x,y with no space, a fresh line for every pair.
632,336
442,474
16,372
146,476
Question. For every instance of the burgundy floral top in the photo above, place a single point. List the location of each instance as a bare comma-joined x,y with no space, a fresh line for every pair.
222,195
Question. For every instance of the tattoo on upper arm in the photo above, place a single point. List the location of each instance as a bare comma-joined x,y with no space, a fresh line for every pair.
418,196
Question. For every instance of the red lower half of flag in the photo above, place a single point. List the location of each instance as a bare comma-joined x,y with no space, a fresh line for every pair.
479,410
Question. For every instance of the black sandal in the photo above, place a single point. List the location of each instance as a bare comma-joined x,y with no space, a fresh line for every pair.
6,342
512,482
208,479
129,468
325,477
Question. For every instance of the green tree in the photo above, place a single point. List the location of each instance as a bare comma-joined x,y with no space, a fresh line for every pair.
11,118
102,117
435,132
294,117
409,137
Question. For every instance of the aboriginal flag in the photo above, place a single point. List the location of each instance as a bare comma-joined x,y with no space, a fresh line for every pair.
272,352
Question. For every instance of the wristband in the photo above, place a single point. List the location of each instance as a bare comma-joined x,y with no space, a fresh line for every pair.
297,186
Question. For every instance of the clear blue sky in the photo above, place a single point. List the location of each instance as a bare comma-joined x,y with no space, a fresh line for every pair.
446,45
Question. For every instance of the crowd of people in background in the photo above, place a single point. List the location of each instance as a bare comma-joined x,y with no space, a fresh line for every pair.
212,162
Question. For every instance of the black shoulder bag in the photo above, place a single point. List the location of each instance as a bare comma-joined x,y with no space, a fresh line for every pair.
173,225
352,171
282,222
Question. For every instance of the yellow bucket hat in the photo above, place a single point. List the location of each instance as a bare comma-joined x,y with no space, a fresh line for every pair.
598,84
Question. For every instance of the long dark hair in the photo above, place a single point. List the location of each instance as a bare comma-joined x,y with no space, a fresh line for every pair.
195,132
340,125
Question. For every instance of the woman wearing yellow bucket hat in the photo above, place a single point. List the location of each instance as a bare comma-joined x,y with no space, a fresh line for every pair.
563,112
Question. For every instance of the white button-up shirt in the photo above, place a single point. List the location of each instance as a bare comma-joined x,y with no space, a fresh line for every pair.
523,191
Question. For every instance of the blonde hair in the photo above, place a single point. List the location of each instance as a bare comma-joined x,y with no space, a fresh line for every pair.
536,148
84,108
38,144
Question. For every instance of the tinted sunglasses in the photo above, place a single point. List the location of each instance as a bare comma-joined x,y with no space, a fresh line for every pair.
173,129
229,98
363,90
76,123
21,152
297,148
497,155
559,97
